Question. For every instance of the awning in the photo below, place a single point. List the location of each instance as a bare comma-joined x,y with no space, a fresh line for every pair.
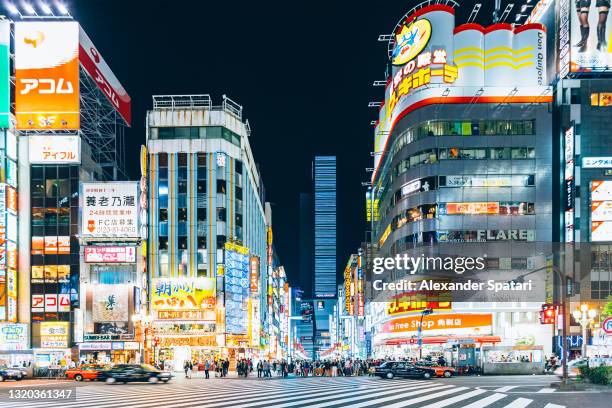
445,339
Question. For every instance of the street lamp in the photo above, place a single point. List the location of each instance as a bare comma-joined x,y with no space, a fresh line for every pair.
424,313
584,316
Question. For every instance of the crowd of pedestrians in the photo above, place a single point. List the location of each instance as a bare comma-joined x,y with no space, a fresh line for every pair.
281,368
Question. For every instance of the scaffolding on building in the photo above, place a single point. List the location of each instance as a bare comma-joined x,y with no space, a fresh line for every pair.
103,128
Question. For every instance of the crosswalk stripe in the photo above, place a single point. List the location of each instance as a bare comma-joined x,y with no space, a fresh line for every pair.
320,397
397,393
354,392
426,397
232,396
452,400
486,401
519,403
153,395
391,398
506,388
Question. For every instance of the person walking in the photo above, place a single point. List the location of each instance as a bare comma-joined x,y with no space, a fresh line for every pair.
206,369
186,368
259,369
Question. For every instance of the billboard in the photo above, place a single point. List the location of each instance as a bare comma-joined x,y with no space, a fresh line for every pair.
100,72
601,190
110,210
601,231
110,254
54,149
14,336
597,162
590,35
47,75
601,210
183,293
54,335
434,62
50,302
5,85
110,303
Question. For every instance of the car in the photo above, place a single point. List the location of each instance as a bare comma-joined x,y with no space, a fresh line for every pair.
441,371
7,373
134,373
392,369
85,372
573,368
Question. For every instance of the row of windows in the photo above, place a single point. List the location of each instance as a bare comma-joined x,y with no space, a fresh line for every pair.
162,159
462,128
458,236
429,211
194,132
434,182
454,153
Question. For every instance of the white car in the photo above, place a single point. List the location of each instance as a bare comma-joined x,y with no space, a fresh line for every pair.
573,368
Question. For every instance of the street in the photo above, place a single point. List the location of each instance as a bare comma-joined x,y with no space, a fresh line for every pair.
318,392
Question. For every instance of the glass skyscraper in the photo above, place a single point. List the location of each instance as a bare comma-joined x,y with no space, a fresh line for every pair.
325,226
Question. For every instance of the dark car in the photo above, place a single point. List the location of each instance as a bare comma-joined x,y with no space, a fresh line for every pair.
392,369
10,374
134,373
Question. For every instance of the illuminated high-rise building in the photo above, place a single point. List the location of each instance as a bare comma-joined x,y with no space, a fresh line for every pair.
324,226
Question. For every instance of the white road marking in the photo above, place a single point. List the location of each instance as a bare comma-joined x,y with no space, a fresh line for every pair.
519,403
458,398
486,401
506,388
546,391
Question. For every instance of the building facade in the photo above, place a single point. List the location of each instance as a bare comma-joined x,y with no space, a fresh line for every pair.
206,224
462,167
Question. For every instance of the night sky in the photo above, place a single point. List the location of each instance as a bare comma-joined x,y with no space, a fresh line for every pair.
302,70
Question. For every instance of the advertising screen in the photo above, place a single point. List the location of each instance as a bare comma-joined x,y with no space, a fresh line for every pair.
54,149
110,210
110,303
47,75
591,35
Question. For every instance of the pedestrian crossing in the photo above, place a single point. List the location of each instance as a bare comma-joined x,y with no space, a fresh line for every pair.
317,392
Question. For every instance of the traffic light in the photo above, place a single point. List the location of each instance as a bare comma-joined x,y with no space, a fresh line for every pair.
548,313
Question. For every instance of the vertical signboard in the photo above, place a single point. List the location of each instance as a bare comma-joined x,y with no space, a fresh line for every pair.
237,284
601,210
5,85
47,75
569,184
